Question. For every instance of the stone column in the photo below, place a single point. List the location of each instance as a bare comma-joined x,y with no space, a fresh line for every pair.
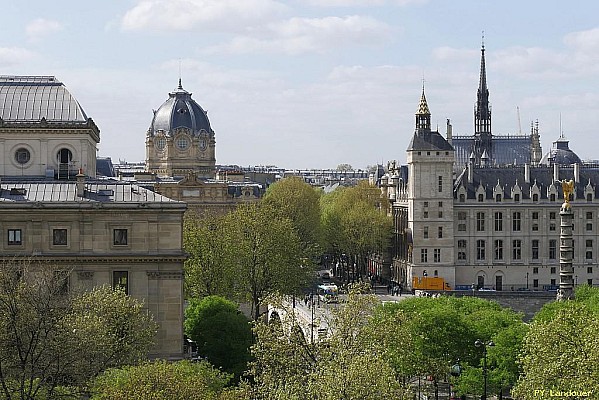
566,253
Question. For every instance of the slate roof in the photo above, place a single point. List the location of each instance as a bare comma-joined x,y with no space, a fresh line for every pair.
65,193
427,140
506,150
542,176
31,98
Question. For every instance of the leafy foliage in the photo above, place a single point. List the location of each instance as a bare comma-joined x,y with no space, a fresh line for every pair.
222,333
161,380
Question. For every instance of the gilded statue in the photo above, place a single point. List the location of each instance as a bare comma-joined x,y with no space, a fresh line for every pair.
568,189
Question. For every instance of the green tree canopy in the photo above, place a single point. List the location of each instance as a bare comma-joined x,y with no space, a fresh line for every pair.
222,333
161,380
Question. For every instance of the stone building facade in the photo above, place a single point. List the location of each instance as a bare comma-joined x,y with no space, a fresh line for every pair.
106,232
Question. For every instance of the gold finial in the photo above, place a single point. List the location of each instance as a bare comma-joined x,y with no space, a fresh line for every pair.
568,189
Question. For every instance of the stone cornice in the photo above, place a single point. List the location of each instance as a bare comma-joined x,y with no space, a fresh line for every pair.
44,126
106,259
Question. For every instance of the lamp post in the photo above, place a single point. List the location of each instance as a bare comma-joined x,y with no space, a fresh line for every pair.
312,320
480,343
527,281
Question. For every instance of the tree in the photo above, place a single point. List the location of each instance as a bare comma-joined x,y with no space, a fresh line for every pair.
560,349
344,167
223,334
266,254
295,199
207,270
349,364
52,338
161,380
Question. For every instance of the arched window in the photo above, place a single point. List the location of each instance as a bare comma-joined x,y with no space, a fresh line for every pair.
589,197
535,197
498,198
480,198
64,156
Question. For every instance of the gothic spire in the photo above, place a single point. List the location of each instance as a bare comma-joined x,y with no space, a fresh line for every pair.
482,115
423,115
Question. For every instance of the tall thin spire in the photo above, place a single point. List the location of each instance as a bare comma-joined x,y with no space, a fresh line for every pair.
482,112
423,114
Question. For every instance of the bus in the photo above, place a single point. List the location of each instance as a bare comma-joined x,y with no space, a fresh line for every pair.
328,293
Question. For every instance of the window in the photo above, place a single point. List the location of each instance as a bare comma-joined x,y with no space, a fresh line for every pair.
440,232
552,226
535,270
480,249
535,283
535,215
425,215
120,280
552,197
462,250
160,143
461,221
480,221
59,237
589,197
22,156
517,197
552,215
589,255
590,282
440,214
589,215
589,270
589,226
516,225
120,237
437,255
498,198
182,142
462,197
535,197
589,243
423,255
440,204
552,249
535,227
440,184
15,237
499,249
552,282
425,232
498,221
535,249
480,198
552,270
517,249
61,281
426,204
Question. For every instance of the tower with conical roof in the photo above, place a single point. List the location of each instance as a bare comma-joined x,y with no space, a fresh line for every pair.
430,201
482,114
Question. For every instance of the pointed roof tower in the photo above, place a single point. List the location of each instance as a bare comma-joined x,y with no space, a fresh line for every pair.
482,112
423,114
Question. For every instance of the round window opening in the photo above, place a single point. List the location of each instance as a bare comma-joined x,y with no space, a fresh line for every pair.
22,156
182,142
160,143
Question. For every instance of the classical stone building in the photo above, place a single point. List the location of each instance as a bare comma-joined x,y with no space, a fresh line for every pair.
488,224
53,208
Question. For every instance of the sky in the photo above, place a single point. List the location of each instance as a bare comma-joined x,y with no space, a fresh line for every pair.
315,83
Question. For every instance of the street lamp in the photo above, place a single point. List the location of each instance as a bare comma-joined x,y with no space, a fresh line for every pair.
480,343
527,281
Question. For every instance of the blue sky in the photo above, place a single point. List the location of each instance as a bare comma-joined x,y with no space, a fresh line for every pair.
315,83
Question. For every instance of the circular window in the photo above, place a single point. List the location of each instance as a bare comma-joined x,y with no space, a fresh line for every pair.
22,156
182,142
160,143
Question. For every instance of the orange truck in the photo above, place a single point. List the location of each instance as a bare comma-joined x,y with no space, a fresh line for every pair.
429,283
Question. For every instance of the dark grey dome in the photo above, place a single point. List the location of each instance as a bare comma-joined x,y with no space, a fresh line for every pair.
560,154
179,111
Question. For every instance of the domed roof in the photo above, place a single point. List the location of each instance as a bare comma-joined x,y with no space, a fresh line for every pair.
179,111
560,154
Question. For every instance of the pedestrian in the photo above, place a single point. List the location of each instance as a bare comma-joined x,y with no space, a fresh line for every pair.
399,289
389,288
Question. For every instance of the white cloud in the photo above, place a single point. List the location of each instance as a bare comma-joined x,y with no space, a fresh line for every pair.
302,35
587,41
363,3
180,15
40,28
10,56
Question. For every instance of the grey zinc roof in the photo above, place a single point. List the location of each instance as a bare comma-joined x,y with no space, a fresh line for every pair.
66,192
31,98
427,140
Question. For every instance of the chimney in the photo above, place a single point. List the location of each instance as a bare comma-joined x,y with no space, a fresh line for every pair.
80,183
449,131
577,173
527,173
470,173
555,172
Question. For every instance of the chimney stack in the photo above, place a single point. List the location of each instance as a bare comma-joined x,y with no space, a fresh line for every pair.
80,183
527,173
576,173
